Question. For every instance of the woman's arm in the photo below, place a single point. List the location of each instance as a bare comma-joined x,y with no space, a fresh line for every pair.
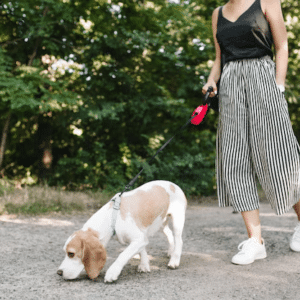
216,69
274,16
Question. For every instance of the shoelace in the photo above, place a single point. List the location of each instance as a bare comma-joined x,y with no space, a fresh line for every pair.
244,245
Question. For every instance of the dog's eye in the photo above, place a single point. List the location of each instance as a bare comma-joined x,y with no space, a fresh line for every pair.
71,254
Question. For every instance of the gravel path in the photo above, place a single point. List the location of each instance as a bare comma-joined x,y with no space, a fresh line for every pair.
31,251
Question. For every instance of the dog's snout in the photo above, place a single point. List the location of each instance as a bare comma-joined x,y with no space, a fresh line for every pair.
60,272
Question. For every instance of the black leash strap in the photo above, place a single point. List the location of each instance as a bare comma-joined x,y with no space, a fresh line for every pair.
163,146
159,150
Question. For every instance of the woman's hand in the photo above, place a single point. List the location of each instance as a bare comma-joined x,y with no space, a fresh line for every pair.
207,85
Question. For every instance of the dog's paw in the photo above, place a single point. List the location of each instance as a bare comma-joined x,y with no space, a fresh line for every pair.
110,278
144,268
174,263
112,274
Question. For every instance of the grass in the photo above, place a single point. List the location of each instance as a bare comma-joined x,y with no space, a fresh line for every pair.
38,200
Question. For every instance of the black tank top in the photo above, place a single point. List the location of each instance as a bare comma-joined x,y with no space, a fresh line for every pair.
248,37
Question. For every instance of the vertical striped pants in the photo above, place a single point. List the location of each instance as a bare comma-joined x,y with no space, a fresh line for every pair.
255,138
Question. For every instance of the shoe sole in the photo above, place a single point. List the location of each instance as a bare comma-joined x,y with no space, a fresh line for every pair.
262,256
294,249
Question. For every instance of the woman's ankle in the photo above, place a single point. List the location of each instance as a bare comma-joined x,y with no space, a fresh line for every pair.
258,239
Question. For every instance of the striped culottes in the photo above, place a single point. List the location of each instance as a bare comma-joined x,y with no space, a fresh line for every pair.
255,138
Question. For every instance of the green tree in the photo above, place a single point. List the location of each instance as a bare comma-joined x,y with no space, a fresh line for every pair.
31,33
100,85
144,62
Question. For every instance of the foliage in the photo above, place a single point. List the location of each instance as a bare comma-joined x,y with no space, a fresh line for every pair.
113,80
291,14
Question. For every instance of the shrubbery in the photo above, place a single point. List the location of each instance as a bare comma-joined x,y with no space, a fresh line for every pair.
89,90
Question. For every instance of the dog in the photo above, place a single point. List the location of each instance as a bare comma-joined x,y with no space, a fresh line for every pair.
143,211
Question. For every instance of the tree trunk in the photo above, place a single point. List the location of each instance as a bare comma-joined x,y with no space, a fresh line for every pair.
44,134
4,137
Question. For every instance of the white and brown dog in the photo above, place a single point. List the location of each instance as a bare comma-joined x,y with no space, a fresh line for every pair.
142,213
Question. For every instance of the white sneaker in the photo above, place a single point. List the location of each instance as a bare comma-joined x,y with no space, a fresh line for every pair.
250,250
295,240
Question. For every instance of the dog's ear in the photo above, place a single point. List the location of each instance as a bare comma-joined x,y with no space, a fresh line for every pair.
94,254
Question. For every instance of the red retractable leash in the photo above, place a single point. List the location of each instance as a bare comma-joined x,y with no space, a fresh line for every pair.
201,110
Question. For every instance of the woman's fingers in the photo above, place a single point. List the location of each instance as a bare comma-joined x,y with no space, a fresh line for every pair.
213,93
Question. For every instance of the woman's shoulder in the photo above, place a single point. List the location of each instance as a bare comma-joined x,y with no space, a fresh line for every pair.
215,13
271,8
216,10
269,4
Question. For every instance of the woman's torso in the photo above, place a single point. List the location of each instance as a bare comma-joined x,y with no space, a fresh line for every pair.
248,37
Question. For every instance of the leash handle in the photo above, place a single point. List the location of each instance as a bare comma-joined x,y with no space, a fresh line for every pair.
206,97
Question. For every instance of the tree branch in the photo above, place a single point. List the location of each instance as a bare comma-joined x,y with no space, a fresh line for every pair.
4,137
11,42
38,41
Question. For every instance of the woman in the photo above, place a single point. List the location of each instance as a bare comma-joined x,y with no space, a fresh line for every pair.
255,136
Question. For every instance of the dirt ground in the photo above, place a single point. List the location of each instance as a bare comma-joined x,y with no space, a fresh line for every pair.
31,251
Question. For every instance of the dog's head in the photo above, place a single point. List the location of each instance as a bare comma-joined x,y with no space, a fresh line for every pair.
83,251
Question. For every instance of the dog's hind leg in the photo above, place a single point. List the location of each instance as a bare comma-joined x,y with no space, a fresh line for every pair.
178,218
169,234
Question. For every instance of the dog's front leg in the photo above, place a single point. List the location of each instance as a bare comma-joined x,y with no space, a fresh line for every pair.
115,269
144,264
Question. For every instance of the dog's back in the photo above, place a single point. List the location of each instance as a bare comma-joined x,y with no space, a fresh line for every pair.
152,203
